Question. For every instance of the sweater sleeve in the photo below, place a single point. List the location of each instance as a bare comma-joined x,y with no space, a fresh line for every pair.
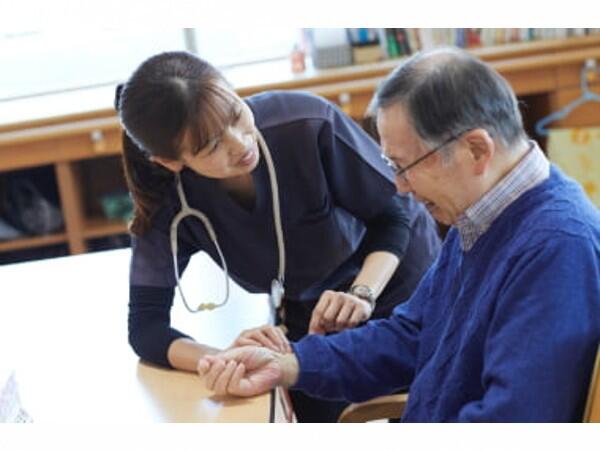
361,363
150,333
543,336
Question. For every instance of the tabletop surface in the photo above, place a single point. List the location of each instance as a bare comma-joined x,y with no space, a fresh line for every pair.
63,330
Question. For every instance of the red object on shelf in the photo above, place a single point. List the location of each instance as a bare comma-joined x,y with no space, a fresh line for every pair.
298,58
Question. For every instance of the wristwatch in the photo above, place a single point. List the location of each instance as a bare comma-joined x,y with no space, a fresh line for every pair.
363,292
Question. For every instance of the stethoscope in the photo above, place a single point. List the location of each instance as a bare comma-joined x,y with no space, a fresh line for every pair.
277,286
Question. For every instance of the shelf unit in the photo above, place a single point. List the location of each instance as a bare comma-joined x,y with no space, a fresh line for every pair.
544,74
31,242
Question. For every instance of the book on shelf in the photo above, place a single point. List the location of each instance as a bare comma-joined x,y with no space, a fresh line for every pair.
397,42
402,39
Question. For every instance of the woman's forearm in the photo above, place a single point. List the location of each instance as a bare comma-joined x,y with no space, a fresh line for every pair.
184,354
377,270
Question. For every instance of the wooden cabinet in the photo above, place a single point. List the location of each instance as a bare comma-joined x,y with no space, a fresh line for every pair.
545,75
63,146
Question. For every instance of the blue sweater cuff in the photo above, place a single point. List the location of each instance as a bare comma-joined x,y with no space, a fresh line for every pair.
311,362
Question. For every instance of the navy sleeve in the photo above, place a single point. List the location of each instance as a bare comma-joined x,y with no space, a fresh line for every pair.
542,340
150,333
151,291
375,359
389,230
358,178
152,260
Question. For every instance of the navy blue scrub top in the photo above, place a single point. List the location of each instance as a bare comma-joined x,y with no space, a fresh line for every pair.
331,180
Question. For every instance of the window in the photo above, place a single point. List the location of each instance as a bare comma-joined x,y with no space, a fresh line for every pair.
41,62
44,62
227,47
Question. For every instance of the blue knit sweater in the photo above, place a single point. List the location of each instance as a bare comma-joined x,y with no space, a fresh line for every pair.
504,332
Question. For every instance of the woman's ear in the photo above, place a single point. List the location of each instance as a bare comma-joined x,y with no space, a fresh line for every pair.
481,149
173,166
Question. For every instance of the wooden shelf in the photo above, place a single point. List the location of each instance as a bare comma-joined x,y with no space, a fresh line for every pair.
66,142
32,242
99,227
251,79
93,228
538,67
315,77
545,72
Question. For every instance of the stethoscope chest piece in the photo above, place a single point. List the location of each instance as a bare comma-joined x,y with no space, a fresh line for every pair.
277,292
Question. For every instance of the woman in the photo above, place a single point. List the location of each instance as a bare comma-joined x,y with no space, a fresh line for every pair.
293,189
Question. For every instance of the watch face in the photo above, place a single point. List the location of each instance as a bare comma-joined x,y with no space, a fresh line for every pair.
363,292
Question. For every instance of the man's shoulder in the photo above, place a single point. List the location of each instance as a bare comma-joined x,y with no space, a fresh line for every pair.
556,209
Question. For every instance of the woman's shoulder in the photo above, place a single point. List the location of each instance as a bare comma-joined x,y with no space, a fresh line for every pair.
276,108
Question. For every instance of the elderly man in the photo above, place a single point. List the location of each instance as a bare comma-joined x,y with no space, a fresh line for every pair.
505,324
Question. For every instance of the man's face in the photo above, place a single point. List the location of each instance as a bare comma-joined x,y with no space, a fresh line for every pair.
436,183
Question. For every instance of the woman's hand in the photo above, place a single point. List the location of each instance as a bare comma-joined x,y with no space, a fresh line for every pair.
266,336
337,311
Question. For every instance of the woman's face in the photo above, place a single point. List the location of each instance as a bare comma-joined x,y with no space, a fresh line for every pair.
232,148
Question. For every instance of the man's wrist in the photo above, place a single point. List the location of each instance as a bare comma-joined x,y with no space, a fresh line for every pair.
290,369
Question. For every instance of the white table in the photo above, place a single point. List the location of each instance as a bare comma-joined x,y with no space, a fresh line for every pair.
63,329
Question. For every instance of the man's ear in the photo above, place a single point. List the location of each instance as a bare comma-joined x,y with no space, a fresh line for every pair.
173,166
481,148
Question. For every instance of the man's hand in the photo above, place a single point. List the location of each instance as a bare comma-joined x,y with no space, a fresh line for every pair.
247,371
337,311
266,336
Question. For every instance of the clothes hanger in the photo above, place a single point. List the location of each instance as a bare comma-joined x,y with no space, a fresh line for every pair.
586,96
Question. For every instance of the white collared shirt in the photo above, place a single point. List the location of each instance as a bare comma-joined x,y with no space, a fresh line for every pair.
475,221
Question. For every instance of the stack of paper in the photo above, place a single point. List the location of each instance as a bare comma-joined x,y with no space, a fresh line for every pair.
10,403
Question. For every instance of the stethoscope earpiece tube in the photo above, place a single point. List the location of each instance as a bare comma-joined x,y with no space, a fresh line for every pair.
277,285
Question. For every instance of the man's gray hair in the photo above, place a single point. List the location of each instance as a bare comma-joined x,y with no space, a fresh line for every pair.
448,91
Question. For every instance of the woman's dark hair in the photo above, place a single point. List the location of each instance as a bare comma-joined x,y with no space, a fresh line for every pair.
168,97
447,91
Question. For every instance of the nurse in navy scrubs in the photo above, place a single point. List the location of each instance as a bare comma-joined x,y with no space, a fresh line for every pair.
283,186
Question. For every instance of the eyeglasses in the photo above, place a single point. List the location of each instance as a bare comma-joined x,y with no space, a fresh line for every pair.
400,171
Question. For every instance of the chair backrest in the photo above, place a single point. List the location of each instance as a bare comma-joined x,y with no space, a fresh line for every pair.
592,407
384,407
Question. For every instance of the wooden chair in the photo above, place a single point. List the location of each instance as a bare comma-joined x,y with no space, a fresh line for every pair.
592,407
392,406
384,407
